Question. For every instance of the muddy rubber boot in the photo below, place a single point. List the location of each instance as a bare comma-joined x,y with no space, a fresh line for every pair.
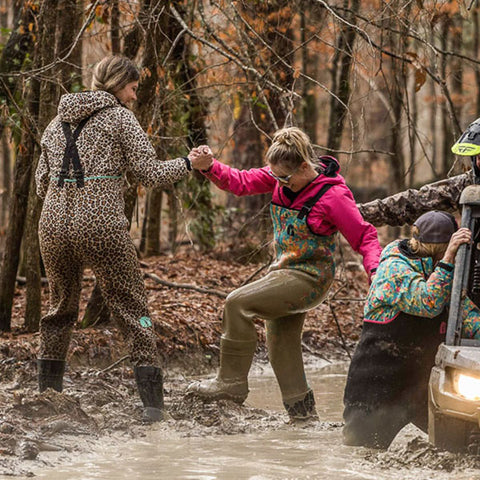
285,355
231,381
150,387
50,374
301,408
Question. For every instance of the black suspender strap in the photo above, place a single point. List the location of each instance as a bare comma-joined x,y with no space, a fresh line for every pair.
71,151
305,210
71,154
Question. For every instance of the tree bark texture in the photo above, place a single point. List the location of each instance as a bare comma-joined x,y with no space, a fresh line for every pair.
6,177
340,74
13,56
18,211
19,45
49,96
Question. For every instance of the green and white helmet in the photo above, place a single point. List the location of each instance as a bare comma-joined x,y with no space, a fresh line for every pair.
468,145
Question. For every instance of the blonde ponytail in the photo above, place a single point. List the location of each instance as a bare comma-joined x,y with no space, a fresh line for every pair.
290,147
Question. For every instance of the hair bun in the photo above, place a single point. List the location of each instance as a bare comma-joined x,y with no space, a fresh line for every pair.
283,136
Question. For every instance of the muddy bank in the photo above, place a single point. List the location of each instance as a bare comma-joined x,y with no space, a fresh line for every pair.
99,396
100,404
100,409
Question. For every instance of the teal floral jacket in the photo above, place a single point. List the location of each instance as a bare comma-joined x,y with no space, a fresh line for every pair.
404,283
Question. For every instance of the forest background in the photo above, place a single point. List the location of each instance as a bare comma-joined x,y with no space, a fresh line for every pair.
384,86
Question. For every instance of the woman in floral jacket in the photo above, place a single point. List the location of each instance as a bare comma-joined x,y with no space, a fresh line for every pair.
404,322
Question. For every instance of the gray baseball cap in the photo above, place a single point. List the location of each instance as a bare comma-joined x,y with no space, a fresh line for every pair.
435,227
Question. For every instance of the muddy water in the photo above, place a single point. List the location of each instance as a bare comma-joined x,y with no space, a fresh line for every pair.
286,452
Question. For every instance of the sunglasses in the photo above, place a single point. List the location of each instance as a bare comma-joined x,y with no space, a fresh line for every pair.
283,180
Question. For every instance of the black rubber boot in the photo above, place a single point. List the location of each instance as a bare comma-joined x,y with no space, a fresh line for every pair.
50,374
150,387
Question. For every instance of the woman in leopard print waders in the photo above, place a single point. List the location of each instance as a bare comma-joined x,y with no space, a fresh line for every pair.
310,203
86,151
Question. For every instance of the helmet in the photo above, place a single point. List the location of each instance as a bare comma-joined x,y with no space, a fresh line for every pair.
468,145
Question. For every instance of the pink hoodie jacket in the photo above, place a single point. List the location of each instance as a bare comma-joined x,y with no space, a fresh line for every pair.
335,211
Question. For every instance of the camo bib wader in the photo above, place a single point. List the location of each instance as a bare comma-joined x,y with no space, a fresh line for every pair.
298,281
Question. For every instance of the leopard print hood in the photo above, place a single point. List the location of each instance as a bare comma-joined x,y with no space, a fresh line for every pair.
74,107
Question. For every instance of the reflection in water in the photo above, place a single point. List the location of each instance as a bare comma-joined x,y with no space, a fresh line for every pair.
287,453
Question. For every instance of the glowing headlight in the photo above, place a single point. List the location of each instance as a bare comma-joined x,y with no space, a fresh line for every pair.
467,386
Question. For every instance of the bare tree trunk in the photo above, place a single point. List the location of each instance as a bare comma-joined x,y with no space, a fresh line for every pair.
173,217
456,73
433,114
310,68
341,67
115,27
69,24
447,134
153,217
398,161
7,178
13,55
18,210
47,24
412,129
19,45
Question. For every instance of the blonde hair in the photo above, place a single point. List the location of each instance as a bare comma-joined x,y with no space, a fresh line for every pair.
433,250
290,147
113,73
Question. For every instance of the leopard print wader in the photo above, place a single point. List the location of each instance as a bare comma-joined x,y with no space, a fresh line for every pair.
87,226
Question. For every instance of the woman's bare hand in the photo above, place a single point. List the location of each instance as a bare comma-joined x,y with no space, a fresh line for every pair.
461,236
201,157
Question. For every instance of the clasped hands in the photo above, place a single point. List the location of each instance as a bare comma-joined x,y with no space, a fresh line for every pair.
201,157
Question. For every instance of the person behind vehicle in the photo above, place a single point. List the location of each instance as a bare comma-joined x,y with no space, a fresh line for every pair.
404,207
310,203
86,151
404,323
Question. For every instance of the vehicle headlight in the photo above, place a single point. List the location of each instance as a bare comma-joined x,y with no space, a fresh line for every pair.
467,386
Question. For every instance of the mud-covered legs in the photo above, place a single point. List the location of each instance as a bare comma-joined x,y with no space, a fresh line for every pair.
281,298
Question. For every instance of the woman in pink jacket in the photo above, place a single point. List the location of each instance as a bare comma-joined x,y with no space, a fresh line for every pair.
310,203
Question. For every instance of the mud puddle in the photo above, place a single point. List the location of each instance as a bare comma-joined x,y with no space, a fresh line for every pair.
262,447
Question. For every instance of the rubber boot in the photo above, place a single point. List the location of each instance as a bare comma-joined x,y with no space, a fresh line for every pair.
150,387
285,355
50,374
301,408
231,381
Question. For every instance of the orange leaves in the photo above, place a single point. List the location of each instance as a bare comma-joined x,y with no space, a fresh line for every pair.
32,5
420,78
420,73
102,13
145,73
